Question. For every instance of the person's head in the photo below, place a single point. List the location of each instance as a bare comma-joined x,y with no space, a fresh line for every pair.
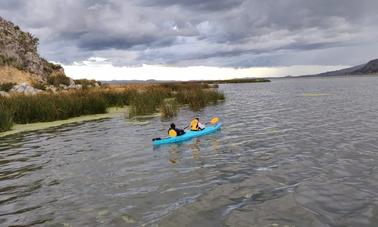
197,118
173,125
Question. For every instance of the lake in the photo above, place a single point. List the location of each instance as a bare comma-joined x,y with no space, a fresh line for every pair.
293,152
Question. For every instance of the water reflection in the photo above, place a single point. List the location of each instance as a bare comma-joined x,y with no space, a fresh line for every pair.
174,154
195,147
176,150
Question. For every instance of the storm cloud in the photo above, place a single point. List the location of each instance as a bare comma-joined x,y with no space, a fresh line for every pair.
237,33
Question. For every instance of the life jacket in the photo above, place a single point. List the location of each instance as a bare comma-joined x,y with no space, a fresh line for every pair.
194,125
172,132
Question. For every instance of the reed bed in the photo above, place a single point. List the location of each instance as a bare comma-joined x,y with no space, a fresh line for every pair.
147,102
6,121
169,108
43,108
50,107
199,98
22,109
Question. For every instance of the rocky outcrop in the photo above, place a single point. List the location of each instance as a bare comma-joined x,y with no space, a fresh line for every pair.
18,49
4,94
25,89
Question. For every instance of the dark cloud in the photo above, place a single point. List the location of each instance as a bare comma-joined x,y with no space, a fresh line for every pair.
9,5
186,32
101,43
209,5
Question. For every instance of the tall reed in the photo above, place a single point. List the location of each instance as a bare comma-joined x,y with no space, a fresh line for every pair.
45,107
42,108
147,102
198,98
169,108
6,121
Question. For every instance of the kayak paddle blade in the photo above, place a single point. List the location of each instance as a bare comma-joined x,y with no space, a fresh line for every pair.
214,120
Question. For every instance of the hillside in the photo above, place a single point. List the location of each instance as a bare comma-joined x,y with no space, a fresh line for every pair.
369,68
19,58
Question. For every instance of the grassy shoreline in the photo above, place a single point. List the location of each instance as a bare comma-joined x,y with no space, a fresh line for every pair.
20,128
166,99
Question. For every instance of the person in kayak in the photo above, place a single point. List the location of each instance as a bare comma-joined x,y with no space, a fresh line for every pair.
196,125
173,131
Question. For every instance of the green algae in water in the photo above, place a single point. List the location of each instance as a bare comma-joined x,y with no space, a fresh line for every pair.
127,219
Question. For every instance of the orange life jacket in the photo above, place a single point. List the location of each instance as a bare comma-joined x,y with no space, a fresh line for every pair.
172,132
194,125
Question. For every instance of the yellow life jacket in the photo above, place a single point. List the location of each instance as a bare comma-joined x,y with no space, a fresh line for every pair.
172,133
194,125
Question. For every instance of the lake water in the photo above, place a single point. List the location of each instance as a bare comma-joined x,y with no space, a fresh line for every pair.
293,152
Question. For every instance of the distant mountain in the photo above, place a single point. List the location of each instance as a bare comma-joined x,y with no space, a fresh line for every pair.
370,68
365,69
19,58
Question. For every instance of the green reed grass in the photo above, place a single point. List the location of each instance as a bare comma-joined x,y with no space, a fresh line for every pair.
6,121
50,107
22,109
198,98
169,108
43,108
147,102
118,98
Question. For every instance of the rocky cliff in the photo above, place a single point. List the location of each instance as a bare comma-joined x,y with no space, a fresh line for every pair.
19,59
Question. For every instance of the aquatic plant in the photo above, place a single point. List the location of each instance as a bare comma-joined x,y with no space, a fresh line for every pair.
118,98
185,85
169,108
199,98
42,108
6,121
147,100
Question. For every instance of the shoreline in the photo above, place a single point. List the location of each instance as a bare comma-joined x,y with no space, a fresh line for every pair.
20,128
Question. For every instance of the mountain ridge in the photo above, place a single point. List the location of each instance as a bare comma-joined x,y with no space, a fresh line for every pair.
369,68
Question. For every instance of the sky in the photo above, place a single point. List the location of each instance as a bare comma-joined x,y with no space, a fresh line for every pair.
199,39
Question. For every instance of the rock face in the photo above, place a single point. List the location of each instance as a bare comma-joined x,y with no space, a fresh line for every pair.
18,49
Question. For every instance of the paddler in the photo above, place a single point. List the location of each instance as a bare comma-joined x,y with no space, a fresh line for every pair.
196,125
173,131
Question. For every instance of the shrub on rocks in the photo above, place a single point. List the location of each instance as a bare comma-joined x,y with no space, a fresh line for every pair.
7,86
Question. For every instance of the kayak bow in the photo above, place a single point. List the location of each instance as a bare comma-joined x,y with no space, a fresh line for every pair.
188,135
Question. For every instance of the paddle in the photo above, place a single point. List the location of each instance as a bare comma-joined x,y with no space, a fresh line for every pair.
213,121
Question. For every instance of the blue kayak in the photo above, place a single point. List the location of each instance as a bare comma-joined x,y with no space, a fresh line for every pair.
188,135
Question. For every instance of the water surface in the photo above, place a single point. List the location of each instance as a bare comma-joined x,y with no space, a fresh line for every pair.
293,152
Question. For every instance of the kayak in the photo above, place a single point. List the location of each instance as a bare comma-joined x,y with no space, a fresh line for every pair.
188,135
